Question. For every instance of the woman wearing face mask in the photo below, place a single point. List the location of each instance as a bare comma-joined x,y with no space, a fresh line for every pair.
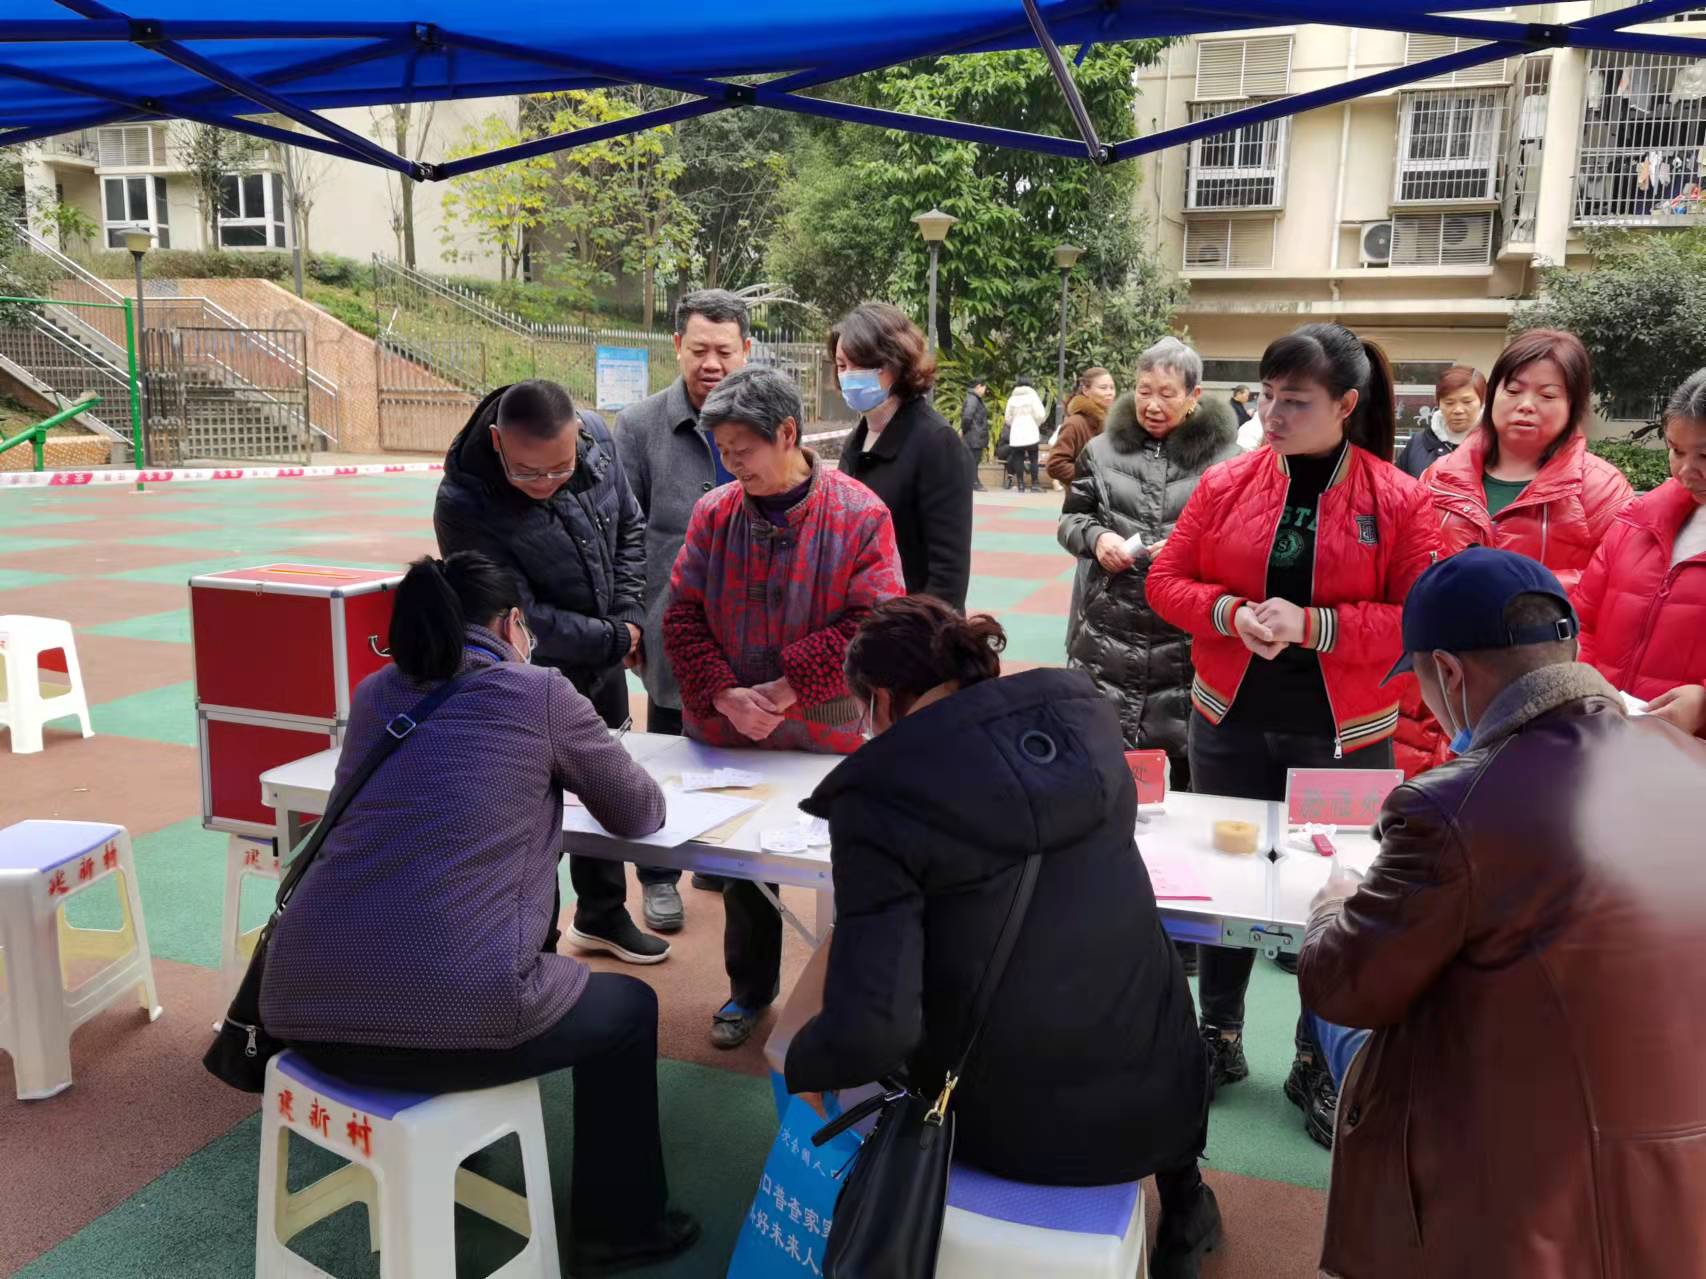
903,449
1086,412
418,950
1642,599
1460,392
1133,480
1024,419
1525,480
1289,567
1106,1085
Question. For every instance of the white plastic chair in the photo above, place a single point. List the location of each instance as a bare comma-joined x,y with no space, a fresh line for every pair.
243,857
404,1151
24,707
42,864
996,1229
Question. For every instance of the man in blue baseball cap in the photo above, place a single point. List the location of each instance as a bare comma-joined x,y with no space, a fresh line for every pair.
1524,966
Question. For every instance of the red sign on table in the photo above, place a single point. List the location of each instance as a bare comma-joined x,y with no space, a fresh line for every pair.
1149,771
1338,797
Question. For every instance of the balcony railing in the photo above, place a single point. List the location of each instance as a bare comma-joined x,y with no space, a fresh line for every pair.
1449,143
1526,151
80,145
1242,168
1643,120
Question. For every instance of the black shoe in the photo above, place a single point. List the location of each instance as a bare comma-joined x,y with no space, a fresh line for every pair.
674,1235
1321,1116
1187,956
661,906
1226,1064
708,883
621,939
1300,1083
732,1025
1286,961
1184,1238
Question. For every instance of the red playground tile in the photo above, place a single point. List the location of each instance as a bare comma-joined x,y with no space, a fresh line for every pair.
1051,600
1019,564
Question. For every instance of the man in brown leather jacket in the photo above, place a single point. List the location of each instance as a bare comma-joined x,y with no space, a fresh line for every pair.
1529,951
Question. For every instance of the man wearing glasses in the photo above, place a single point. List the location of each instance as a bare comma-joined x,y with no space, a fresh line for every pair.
538,487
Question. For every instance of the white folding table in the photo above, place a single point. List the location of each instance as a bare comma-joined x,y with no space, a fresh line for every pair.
1258,900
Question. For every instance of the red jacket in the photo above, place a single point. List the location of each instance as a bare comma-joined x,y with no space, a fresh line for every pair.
1373,539
1643,619
1558,519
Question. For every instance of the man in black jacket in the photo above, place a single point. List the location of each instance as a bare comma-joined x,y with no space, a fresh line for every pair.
538,488
974,429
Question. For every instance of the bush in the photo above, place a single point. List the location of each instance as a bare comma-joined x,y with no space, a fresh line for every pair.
345,273
194,264
1646,468
352,309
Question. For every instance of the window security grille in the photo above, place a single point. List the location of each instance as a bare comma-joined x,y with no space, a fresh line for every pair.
1643,138
1243,168
1525,149
1449,142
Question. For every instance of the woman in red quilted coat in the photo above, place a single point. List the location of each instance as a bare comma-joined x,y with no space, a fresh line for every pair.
777,572
1524,482
1289,567
1643,598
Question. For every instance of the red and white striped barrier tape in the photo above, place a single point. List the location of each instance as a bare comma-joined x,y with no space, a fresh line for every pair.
186,475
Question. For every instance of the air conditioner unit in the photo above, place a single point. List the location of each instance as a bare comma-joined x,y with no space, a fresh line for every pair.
1376,243
1464,238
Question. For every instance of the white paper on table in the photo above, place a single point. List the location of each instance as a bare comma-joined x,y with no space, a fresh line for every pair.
1176,880
720,779
690,814
1634,705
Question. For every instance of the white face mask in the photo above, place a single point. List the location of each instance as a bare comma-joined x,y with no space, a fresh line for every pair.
526,654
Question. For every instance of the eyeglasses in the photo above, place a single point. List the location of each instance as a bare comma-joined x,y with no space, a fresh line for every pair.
533,477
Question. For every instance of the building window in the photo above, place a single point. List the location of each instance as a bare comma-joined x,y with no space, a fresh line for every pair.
251,211
1257,67
1418,48
1243,168
131,146
1643,125
1448,146
136,203
1229,244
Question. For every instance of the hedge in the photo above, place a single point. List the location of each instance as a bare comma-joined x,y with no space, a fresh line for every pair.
1646,468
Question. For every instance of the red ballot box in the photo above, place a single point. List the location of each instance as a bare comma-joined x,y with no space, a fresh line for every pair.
279,650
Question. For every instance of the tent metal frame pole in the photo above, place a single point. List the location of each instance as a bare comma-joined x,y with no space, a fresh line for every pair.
696,85
1068,86
578,137
958,130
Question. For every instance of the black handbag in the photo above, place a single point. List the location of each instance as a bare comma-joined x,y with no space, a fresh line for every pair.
241,1047
888,1216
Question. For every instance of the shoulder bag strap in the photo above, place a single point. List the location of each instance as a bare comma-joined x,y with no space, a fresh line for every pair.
396,732
991,979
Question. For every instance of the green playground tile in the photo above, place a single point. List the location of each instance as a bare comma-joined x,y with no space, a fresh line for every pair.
19,545
1041,543
1035,638
243,539
15,579
179,574
197,1220
997,594
180,871
165,714
171,628
1049,515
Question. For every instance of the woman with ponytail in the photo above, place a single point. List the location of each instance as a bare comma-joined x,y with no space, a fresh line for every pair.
1289,568
419,949
1089,1070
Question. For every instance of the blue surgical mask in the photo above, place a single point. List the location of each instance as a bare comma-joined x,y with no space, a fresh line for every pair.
861,389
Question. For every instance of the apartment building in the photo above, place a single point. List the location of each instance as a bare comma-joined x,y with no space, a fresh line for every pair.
135,176
1418,217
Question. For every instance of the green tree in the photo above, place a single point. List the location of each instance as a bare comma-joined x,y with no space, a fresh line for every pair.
848,233
211,155
496,207
1636,310
734,168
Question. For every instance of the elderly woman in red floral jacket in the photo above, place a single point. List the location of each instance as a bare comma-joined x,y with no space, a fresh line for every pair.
777,572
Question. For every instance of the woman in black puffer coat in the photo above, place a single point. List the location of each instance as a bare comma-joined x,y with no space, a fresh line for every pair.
1135,478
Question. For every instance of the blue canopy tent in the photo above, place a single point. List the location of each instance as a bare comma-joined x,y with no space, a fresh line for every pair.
75,64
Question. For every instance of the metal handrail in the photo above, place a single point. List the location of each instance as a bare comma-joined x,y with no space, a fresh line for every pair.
455,294
37,434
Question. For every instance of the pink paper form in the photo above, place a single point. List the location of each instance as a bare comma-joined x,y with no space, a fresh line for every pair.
1176,880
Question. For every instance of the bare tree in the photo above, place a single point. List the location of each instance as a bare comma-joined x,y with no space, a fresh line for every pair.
304,173
405,130
212,154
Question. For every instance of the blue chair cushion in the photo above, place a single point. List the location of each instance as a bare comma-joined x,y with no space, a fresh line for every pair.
42,845
1087,1210
382,1103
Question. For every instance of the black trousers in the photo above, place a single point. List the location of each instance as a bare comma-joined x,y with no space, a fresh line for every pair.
610,1040
752,944
1250,764
663,719
1016,460
976,452
601,886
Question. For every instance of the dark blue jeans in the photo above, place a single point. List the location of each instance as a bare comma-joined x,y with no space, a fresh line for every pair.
1338,1045
1250,764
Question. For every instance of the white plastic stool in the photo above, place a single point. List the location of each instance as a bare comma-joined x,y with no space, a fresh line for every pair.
243,857
24,708
404,1151
41,865
997,1229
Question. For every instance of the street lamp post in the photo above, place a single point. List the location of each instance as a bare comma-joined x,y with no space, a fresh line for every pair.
138,242
1065,258
934,227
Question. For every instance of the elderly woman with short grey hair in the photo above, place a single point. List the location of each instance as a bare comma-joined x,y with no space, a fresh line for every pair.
1132,482
778,570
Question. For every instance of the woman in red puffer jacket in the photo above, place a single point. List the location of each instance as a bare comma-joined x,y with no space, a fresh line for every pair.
1524,482
1643,598
1288,568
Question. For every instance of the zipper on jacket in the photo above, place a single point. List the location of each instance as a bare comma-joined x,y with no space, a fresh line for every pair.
1653,615
1233,621
1314,585
1545,526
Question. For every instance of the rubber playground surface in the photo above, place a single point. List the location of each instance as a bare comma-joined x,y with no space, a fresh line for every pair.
147,1166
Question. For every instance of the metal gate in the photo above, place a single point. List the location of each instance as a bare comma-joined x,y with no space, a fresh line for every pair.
421,410
227,394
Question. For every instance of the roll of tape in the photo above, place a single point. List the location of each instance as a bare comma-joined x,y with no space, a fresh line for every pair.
1235,837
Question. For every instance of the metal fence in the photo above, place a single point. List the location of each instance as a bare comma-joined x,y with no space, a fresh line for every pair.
1643,118
207,394
1526,150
